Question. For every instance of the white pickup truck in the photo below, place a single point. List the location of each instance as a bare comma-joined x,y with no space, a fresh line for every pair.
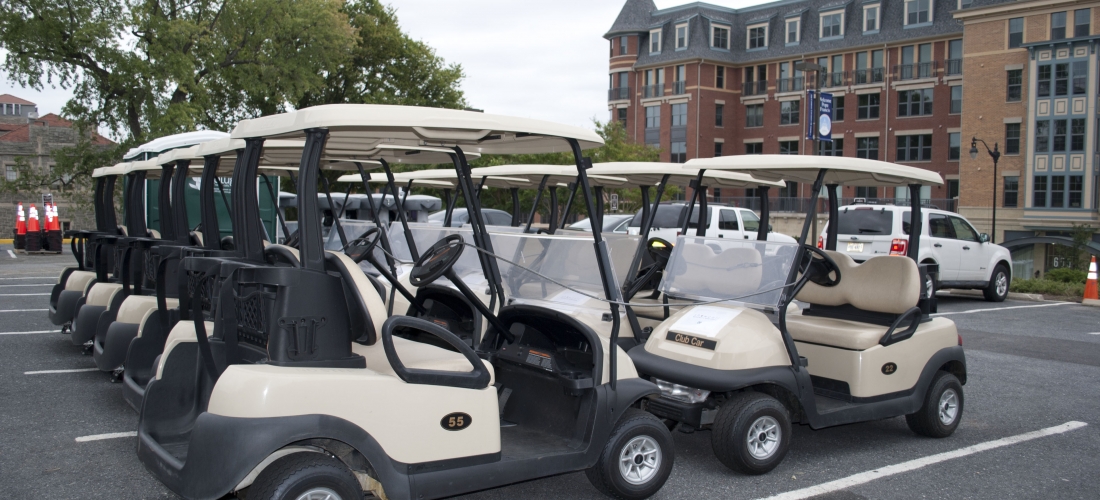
723,222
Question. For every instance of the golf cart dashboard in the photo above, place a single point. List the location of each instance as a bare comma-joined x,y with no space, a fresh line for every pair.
564,356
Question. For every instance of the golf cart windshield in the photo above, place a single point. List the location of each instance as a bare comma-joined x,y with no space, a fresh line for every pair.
746,271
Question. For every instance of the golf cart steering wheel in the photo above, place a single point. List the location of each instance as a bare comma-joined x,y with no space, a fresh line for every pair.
437,260
360,248
819,266
659,249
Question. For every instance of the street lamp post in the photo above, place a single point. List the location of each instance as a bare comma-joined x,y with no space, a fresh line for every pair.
996,155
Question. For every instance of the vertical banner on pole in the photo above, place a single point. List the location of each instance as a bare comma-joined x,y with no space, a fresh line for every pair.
825,122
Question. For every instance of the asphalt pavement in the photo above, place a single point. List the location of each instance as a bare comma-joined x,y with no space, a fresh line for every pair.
1033,366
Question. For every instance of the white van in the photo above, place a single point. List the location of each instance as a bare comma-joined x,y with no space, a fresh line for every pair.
722,222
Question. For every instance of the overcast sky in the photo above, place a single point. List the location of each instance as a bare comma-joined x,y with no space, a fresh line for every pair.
544,59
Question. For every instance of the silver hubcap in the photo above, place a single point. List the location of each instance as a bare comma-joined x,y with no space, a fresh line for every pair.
949,406
1002,284
639,460
928,284
763,438
319,494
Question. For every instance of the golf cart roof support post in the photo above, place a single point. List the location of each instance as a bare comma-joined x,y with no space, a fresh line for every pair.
830,240
446,205
598,219
916,221
791,290
645,205
278,213
451,202
179,201
225,201
814,193
164,203
650,208
610,290
245,196
208,210
110,214
568,203
344,207
99,206
765,214
514,191
480,186
704,214
310,248
691,203
405,197
135,205
383,235
553,228
332,209
535,204
477,225
400,209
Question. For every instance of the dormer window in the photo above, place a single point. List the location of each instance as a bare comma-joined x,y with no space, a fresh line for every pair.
871,18
793,30
757,36
832,25
918,12
655,41
720,36
681,36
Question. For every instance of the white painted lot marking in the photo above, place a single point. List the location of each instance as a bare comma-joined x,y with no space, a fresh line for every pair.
33,278
972,311
21,310
50,372
30,333
1094,333
866,477
35,284
11,253
20,294
100,437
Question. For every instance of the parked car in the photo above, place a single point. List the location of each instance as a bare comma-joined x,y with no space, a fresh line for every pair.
966,258
612,223
461,217
722,222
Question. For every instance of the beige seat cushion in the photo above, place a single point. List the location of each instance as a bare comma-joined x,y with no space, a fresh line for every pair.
78,280
886,284
101,294
835,332
726,273
416,355
133,309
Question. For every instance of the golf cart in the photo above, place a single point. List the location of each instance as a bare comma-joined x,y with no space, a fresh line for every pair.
745,366
304,391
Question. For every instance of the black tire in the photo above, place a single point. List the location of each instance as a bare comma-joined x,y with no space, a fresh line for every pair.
927,421
993,291
635,427
297,473
730,434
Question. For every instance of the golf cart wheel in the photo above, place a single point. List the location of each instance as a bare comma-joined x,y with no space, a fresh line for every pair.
637,459
751,433
942,409
997,291
306,476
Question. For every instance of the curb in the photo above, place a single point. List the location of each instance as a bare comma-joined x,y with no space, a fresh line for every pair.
1031,297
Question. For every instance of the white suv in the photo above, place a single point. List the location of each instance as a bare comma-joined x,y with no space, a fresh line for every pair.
966,259
723,222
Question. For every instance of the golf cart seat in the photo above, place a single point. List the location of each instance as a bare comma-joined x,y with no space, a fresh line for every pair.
78,280
712,271
413,354
857,312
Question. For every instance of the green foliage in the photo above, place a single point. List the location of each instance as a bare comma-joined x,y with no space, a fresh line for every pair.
1082,235
1066,275
1049,288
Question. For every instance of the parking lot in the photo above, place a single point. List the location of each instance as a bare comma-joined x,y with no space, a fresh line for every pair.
1030,427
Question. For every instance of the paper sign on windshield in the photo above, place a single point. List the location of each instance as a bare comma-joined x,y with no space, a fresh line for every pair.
569,297
705,320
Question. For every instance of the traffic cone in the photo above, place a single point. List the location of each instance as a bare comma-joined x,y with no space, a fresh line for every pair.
1091,297
53,231
20,228
34,231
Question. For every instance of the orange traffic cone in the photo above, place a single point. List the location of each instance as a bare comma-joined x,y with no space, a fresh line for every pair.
34,231
1091,297
53,231
20,228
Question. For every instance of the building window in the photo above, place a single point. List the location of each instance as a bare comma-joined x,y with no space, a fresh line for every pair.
952,189
622,46
832,25
681,36
1012,138
867,147
866,192
788,147
914,148
1077,134
870,18
757,37
918,12
868,106
720,37
1058,144
1057,25
679,115
1080,77
954,140
679,80
1015,32
1076,189
1081,22
754,115
831,148
1057,191
1015,90
655,41
788,112
1044,77
956,100
965,4
622,117
838,108
1039,198
679,152
793,30
720,77
754,148
1042,136
10,173
653,125
717,149
915,102
1061,79
718,112
1011,191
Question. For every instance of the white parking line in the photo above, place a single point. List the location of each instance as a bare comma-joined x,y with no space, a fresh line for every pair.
49,372
35,284
1001,308
11,253
20,294
29,333
21,310
100,437
32,278
866,477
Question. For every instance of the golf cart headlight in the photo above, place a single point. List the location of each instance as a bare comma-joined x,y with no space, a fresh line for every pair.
681,392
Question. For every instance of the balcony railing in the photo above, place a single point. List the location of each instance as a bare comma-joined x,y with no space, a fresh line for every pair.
679,88
618,94
953,67
834,79
790,84
800,205
754,88
872,75
653,91
915,71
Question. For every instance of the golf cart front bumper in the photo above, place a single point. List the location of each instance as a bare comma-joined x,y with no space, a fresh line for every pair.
680,411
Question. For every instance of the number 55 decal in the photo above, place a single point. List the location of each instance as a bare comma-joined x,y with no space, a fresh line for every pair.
455,421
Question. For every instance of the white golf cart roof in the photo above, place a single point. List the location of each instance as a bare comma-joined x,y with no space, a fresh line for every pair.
441,178
176,141
115,169
559,175
355,127
651,173
150,166
175,155
841,170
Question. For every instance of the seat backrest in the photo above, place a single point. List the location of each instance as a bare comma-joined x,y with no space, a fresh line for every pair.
722,273
366,307
883,284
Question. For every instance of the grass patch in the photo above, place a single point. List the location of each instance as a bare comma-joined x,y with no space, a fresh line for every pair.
1049,288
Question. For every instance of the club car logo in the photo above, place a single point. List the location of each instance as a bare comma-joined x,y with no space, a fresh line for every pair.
455,421
691,340
889,369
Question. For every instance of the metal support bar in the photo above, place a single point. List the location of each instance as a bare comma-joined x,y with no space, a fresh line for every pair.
765,214
834,217
535,205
